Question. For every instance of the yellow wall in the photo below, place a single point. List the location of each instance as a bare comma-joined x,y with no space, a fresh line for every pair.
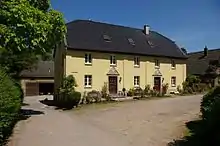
75,65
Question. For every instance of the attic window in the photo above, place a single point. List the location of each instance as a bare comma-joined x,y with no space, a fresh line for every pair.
107,38
131,41
150,43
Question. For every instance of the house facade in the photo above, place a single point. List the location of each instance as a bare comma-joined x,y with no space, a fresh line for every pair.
121,57
206,65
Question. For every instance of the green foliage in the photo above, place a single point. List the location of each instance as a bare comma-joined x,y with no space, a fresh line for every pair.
179,89
68,97
69,84
29,29
164,88
93,96
10,101
147,90
131,92
104,92
193,85
138,92
208,102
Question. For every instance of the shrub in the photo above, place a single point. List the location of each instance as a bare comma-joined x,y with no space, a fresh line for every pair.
69,100
68,97
147,90
164,88
10,104
130,92
138,92
210,109
179,89
104,92
94,96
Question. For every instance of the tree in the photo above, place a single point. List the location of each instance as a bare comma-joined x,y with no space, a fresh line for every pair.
29,31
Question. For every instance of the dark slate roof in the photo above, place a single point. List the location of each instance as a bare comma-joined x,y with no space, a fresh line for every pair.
44,69
197,63
88,35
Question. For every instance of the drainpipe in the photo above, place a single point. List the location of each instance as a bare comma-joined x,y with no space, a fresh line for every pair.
123,73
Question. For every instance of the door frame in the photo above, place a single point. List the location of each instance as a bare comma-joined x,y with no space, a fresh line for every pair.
160,82
116,78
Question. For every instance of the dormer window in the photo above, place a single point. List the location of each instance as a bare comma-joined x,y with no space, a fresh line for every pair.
106,38
131,41
150,43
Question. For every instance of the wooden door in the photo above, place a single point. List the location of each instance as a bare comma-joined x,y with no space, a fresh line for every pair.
157,83
32,89
113,86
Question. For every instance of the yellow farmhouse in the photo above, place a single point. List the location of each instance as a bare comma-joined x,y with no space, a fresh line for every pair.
97,53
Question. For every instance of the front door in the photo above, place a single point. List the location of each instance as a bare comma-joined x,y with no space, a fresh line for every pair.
113,86
157,83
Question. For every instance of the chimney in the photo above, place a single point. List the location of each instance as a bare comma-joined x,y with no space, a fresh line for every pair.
205,51
146,29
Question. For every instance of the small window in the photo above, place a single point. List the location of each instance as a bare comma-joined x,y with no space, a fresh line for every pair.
136,61
88,58
173,64
131,41
88,81
157,63
112,60
106,38
173,81
136,80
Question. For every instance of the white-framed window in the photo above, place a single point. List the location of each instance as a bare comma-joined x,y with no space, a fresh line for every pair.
173,81
157,63
88,58
137,81
113,60
173,64
88,80
136,61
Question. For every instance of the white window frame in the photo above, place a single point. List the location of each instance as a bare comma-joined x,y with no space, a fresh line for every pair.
88,58
87,82
137,81
136,61
173,79
157,63
113,61
173,64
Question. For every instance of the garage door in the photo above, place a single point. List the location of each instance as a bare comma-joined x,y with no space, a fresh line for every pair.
32,89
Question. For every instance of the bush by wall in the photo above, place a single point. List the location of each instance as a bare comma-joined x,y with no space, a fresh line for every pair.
10,104
68,97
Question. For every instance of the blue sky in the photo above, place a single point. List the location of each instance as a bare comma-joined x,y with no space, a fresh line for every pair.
191,23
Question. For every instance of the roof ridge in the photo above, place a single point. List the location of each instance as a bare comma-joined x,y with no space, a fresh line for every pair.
203,51
106,23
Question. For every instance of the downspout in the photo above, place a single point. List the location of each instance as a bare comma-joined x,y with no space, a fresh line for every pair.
123,73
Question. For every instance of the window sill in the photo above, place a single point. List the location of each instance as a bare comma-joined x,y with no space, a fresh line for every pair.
173,68
87,87
136,86
137,66
113,65
157,67
173,85
89,64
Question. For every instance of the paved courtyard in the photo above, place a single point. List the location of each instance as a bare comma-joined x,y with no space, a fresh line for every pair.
139,123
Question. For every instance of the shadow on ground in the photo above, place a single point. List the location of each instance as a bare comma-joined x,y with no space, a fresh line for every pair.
27,113
25,104
195,136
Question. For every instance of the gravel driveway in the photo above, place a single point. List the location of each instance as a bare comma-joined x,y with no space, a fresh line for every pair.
139,123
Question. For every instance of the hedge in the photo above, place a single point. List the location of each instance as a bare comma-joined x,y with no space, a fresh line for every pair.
10,104
210,109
